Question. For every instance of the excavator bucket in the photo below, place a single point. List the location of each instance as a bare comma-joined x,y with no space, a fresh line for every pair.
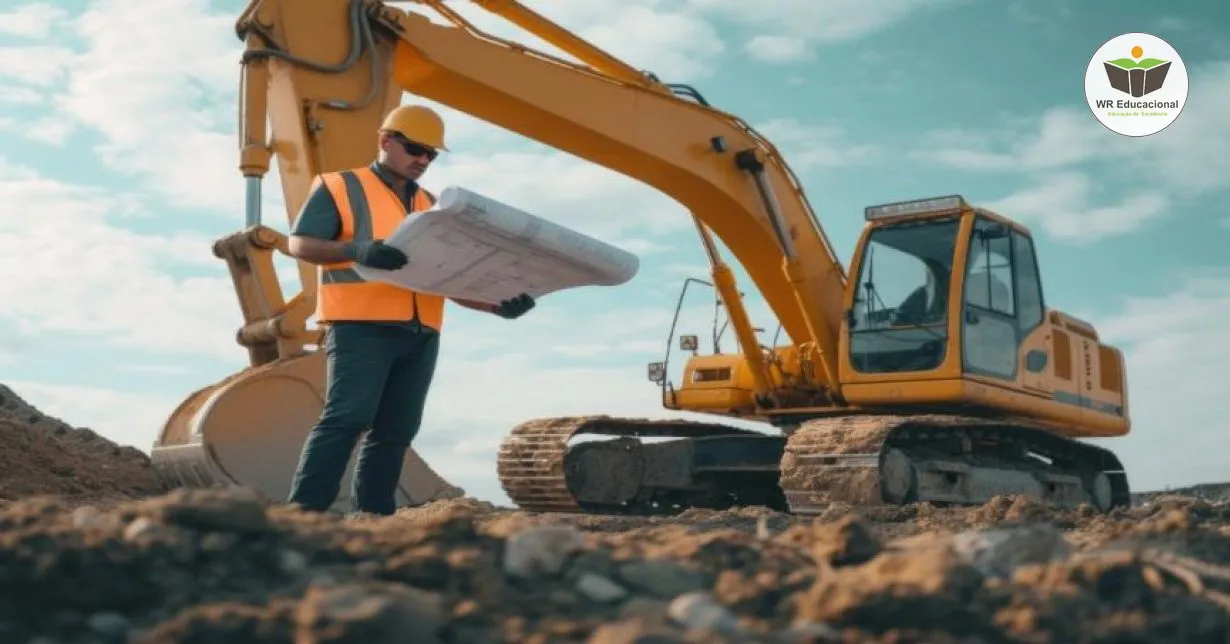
248,430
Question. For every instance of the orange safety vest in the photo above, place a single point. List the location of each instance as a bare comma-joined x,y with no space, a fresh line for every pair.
369,210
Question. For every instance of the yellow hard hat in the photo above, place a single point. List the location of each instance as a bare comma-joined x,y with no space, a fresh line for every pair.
417,123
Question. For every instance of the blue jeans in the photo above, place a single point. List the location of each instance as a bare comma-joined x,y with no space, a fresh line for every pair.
378,378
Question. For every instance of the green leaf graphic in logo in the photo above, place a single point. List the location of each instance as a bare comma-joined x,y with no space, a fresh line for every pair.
1128,63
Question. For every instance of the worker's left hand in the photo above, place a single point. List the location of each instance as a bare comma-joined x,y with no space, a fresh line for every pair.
514,308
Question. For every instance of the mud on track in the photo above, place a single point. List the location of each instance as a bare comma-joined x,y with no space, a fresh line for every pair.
224,566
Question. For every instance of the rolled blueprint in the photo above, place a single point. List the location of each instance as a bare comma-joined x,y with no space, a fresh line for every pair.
473,247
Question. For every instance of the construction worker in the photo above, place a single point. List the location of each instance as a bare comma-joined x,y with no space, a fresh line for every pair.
381,340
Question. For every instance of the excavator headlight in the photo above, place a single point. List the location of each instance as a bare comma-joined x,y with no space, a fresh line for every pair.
689,343
657,371
951,203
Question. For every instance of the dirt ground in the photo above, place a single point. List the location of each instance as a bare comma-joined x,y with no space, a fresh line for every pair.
91,550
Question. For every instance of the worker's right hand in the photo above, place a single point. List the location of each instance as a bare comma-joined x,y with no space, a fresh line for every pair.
376,254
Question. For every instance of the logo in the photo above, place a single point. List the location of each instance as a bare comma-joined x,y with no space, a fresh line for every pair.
1136,84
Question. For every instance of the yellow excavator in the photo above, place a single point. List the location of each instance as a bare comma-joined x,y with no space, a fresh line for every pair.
938,373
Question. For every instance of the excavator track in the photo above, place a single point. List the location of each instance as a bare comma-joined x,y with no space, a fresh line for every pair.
858,459
871,459
717,466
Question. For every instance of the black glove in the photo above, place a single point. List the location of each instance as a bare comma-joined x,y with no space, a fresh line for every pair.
375,254
515,307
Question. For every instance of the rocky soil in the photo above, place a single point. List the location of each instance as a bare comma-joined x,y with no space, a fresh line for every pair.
40,454
80,563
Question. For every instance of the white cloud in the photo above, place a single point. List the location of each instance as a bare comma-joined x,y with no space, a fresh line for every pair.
773,48
49,130
675,46
1059,138
71,269
812,146
1190,155
38,65
1060,148
32,20
654,35
1034,14
1063,205
173,59
809,22
19,95
1178,357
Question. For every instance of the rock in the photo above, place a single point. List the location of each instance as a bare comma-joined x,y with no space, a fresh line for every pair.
368,612
88,517
997,553
367,568
646,609
661,578
633,630
925,584
599,589
701,610
541,550
145,529
844,542
815,631
563,598
108,624
292,562
232,509
758,594
218,541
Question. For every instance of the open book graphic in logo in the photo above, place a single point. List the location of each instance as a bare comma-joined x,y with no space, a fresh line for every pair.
1136,76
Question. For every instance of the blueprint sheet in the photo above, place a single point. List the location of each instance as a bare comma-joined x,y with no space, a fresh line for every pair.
472,247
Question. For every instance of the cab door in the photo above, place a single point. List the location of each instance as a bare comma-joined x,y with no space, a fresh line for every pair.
990,335
1036,344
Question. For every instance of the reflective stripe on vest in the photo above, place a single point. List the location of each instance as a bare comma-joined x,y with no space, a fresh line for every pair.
369,209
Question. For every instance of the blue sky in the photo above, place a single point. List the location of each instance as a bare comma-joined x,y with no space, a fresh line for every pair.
117,171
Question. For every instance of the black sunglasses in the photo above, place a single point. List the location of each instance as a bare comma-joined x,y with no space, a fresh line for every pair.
417,149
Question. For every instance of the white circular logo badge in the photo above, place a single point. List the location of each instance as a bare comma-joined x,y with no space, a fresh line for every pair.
1136,84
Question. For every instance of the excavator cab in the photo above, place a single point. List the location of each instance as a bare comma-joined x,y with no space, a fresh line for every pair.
943,311
898,320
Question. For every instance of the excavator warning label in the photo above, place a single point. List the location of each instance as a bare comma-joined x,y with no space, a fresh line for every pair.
1136,84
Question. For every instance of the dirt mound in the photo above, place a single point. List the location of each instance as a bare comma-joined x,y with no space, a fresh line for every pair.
222,566
41,454
225,566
